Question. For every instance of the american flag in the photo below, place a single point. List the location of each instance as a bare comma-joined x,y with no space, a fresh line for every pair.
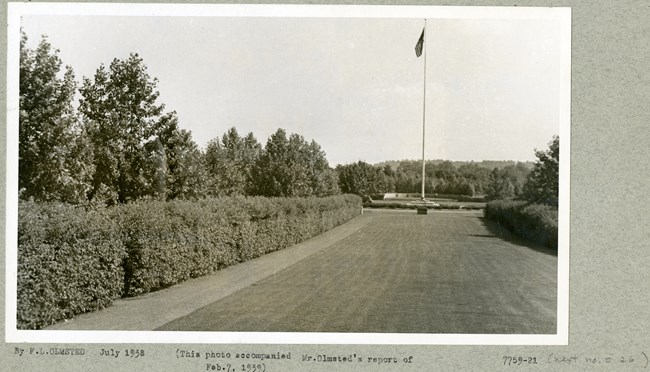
419,45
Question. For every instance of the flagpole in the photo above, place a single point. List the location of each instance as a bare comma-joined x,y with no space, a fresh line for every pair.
424,103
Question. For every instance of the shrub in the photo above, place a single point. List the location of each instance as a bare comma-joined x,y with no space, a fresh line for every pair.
474,199
505,211
69,262
534,222
169,242
72,260
540,224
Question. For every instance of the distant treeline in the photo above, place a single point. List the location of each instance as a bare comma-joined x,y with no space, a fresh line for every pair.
441,177
489,164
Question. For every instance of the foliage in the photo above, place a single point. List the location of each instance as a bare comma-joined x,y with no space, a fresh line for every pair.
388,178
190,239
475,177
540,224
322,179
507,182
465,198
292,167
69,262
122,118
73,260
53,150
181,242
125,147
537,223
326,182
181,165
229,163
441,177
542,185
361,179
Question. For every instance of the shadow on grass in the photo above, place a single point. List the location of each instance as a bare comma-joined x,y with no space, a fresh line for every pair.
496,230
484,236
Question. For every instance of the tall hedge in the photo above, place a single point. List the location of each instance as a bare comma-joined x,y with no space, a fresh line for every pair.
73,260
169,242
534,222
69,262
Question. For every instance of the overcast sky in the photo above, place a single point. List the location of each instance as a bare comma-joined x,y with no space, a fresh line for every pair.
354,85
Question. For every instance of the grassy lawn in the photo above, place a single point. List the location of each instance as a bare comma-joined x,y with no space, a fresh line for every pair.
445,272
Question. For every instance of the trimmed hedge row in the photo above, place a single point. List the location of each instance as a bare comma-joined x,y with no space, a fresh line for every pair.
72,260
474,199
534,222
190,239
69,262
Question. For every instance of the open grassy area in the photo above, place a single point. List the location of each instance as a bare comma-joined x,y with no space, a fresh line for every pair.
445,272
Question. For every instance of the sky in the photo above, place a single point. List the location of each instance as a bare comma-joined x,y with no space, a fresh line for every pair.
354,85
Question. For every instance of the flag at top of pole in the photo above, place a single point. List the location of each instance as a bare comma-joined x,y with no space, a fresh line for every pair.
419,45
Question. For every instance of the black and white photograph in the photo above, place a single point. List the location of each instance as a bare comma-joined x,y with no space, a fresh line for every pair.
288,174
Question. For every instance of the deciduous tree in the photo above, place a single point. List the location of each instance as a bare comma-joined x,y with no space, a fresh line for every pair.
542,185
292,167
122,116
230,162
53,150
507,183
361,178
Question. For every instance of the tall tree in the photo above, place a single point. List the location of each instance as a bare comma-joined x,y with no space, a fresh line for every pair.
292,167
298,173
499,186
122,117
361,178
389,178
477,177
507,182
53,151
327,183
229,162
187,176
542,185
323,180
270,173
407,182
